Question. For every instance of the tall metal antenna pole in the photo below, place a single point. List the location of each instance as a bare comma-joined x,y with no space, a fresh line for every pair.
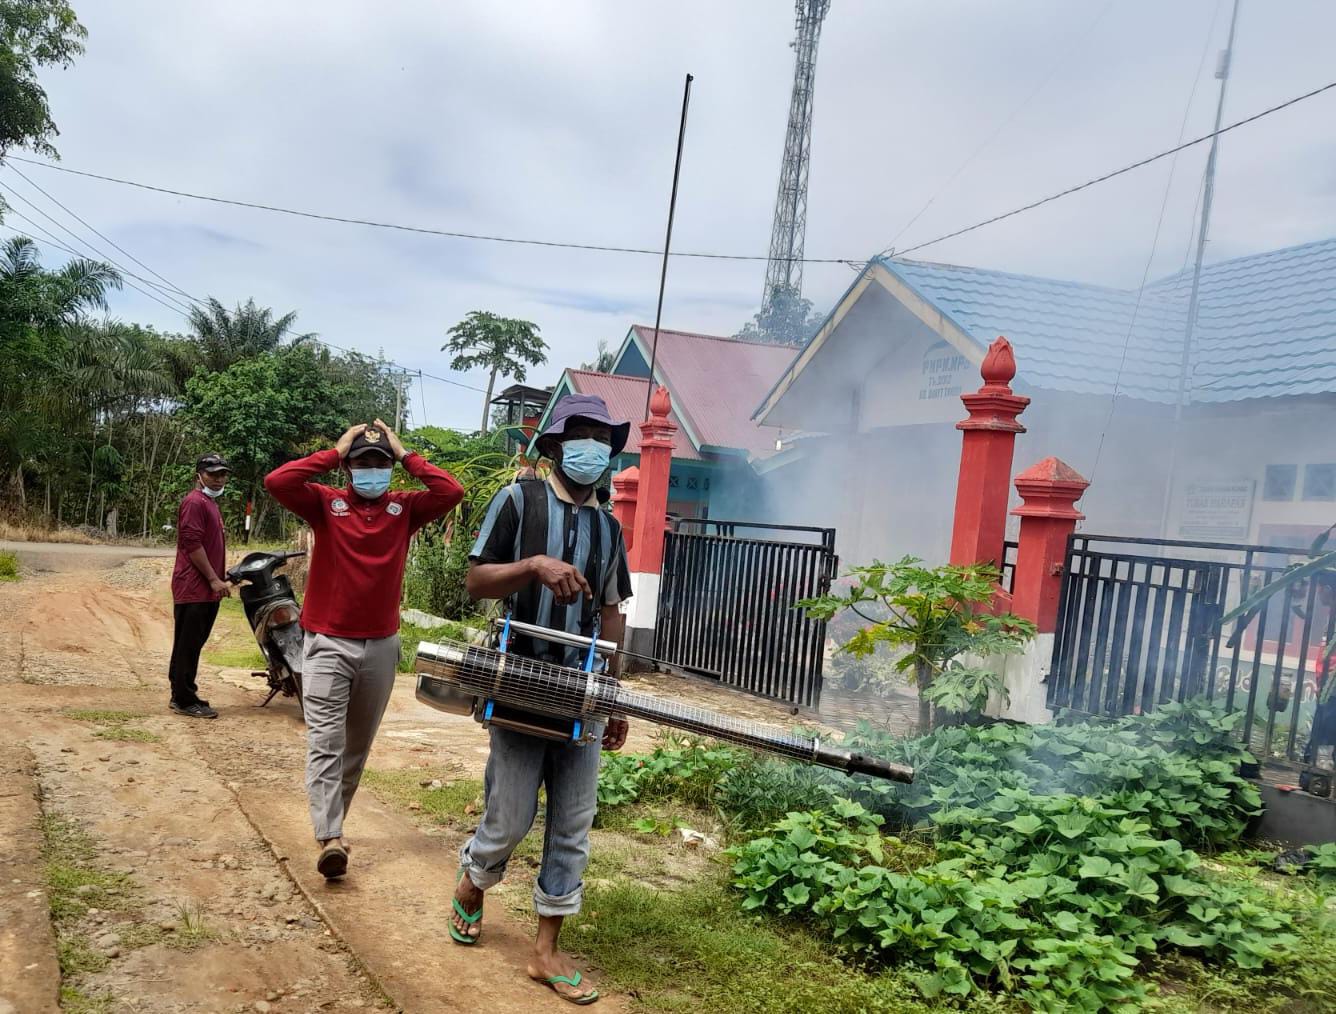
1208,194
784,269
668,240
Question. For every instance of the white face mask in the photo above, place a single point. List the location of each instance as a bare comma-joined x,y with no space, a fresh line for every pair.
212,494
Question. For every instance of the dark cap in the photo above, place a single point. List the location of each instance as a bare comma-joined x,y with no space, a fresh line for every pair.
212,463
589,407
371,440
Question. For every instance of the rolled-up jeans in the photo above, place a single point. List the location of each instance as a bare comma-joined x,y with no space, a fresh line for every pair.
518,765
346,684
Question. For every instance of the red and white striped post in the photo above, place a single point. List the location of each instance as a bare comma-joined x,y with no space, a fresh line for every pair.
651,510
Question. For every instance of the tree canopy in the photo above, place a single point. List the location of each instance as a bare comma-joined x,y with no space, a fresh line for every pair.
33,34
787,319
503,345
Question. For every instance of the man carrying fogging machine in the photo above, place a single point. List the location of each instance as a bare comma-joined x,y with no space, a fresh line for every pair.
559,560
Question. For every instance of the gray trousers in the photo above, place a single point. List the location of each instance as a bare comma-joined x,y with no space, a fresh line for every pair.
346,686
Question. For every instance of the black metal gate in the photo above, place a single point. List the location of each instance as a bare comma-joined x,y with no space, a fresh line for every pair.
726,605
1139,625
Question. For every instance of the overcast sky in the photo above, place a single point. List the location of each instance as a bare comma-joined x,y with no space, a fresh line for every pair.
558,121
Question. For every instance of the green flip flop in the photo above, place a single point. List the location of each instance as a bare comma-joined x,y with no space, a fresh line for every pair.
455,935
574,981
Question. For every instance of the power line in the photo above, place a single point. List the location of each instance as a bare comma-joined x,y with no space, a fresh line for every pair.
1154,245
1068,51
649,252
194,299
90,251
451,234
24,176
74,253
1117,172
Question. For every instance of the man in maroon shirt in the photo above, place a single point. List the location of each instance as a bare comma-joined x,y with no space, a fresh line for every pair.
351,612
197,585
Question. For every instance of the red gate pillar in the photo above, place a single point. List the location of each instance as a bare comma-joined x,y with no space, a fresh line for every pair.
646,550
625,494
1048,516
987,446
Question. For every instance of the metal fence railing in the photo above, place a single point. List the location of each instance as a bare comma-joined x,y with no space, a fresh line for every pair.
1139,624
727,605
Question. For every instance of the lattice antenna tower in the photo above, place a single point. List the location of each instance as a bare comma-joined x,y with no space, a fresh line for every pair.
784,270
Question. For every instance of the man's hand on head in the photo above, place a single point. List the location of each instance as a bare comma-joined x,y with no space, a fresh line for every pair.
562,579
614,736
396,445
345,442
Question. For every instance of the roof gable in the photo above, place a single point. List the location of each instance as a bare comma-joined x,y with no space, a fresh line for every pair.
1266,326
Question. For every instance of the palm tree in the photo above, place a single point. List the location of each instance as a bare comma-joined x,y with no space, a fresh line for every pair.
226,337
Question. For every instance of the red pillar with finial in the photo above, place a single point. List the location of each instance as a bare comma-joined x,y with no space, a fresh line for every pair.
987,446
625,497
1048,516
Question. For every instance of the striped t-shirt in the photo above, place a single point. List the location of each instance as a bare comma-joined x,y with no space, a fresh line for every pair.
536,518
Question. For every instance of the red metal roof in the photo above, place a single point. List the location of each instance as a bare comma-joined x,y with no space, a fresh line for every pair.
717,383
625,398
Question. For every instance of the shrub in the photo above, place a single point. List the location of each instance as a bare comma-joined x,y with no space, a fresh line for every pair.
9,567
686,769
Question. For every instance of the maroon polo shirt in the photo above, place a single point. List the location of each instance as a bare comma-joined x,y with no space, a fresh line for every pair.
361,546
199,522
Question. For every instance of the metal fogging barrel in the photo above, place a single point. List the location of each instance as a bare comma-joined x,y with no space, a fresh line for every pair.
516,692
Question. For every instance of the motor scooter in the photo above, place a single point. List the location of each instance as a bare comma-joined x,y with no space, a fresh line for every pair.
274,616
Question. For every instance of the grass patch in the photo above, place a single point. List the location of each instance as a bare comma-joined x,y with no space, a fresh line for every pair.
693,950
140,935
236,656
410,635
120,734
9,567
74,1001
105,717
78,956
73,883
457,803
192,930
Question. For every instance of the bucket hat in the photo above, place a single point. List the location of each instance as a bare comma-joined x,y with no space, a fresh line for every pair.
584,406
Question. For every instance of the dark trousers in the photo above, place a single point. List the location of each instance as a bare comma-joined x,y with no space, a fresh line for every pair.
194,622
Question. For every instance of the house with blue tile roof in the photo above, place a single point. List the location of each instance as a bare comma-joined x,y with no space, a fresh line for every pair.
1229,435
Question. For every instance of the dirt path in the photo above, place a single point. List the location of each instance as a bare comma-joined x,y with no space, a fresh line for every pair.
178,853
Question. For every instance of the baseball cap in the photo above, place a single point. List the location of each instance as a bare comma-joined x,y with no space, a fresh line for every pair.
212,463
371,440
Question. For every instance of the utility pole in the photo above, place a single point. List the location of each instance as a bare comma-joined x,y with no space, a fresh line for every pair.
1208,195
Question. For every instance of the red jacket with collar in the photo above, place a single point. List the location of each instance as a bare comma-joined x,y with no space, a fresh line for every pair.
357,564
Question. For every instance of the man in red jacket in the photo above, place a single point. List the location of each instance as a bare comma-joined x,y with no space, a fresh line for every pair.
351,612
197,584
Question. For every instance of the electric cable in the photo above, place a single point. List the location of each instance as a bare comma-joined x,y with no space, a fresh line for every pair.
1068,50
1154,245
73,253
91,251
1119,172
1104,177
24,176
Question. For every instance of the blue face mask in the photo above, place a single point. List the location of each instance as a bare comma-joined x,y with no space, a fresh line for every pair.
585,461
371,482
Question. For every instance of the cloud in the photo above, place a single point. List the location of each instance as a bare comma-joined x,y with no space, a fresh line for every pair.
559,121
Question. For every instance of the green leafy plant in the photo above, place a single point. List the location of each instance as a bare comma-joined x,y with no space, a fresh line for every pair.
932,618
9,567
687,770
